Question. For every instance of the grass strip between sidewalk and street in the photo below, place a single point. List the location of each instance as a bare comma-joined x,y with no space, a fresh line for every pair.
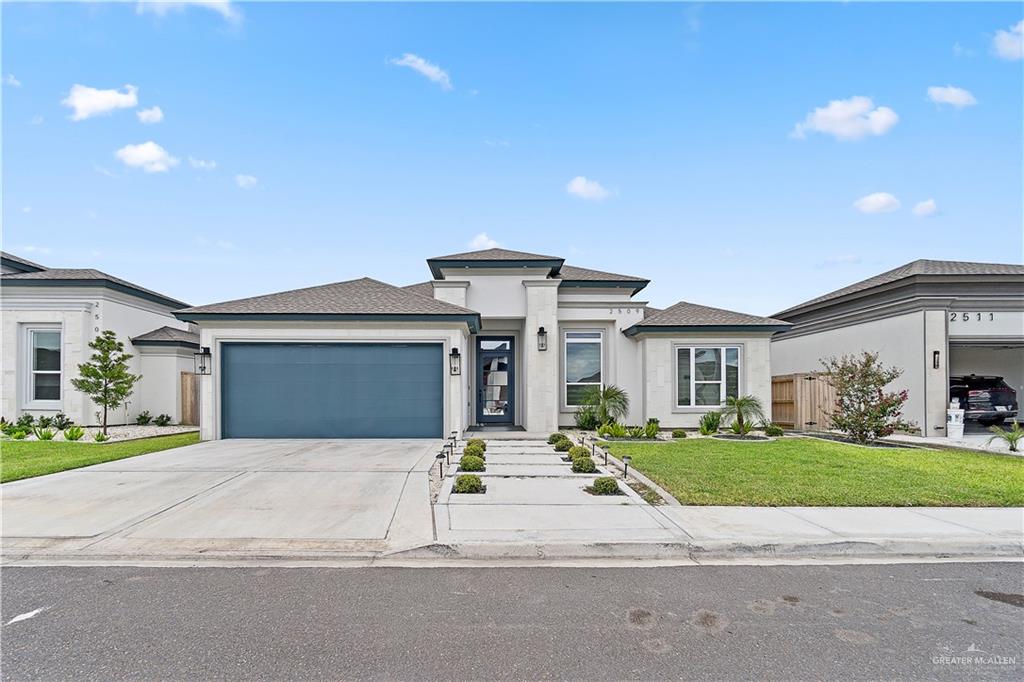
25,459
818,473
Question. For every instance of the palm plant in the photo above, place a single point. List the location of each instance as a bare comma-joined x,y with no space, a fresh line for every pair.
745,409
610,402
1012,437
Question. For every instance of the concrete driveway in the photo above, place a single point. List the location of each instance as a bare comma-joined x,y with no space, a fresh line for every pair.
229,497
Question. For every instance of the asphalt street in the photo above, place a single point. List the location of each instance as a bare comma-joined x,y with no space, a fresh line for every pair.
911,621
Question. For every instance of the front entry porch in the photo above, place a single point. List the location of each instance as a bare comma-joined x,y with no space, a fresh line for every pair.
495,380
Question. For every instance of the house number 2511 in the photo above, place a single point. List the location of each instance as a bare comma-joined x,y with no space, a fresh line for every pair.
967,317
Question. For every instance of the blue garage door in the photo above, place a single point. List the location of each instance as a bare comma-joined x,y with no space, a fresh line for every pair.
331,390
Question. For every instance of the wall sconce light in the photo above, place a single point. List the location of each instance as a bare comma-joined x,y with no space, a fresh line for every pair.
203,360
935,359
455,362
542,339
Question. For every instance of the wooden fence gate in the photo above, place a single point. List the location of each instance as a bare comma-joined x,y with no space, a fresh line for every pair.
189,399
801,402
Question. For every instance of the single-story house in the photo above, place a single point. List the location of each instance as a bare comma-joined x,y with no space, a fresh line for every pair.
933,319
495,339
49,317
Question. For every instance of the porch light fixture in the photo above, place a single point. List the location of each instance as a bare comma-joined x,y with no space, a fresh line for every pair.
542,339
935,359
203,360
455,362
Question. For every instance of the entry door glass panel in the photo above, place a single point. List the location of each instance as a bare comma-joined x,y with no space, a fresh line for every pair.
495,380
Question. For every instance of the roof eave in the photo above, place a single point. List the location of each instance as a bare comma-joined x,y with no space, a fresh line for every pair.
100,283
20,266
437,264
691,328
470,320
635,285
168,343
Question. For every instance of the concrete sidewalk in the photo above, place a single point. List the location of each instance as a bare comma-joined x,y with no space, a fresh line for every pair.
535,507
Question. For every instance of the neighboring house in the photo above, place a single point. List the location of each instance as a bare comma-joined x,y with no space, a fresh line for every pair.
497,338
933,319
49,317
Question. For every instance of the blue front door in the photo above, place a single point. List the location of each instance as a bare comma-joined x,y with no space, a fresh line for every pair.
495,380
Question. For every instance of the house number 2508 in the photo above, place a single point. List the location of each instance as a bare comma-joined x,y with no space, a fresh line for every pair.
966,317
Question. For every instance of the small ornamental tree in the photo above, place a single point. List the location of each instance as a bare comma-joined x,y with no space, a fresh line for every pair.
863,410
105,378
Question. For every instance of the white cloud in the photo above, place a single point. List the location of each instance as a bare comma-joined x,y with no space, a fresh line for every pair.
585,188
1010,44
848,119
30,248
925,208
246,181
953,96
961,51
88,102
482,241
879,202
161,8
149,156
425,68
151,115
9,79
202,164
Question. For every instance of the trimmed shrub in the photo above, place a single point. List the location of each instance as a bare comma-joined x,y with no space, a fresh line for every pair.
143,418
773,430
473,450
162,420
471,463
468,483
555,437
26,421
579,451
44,422
678,433
477,441
563,445
73,433
606,485
583,465
710,422
61,421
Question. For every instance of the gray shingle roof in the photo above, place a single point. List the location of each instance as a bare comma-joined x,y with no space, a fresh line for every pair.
571,272
924,267
167,336
86,277
17,261
495,255
421,288
649,311
363,296
685,314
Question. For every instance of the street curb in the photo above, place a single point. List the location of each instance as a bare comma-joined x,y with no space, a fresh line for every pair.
867,548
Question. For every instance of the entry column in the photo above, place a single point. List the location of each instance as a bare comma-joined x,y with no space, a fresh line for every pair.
542,376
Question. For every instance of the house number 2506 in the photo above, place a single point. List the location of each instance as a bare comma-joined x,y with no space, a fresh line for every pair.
966,317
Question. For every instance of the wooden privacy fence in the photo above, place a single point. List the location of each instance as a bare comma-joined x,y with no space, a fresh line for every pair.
189,399
801,402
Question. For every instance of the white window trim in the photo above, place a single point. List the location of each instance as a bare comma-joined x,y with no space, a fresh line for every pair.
29,373
693,382
565,354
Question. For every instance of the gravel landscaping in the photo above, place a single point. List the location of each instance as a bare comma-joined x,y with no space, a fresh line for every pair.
123,433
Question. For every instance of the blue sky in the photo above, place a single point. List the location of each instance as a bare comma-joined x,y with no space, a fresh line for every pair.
694,145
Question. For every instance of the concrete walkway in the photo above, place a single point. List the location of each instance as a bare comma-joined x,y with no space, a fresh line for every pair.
535,507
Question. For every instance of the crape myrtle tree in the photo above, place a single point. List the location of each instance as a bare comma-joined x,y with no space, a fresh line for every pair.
105,378
863,410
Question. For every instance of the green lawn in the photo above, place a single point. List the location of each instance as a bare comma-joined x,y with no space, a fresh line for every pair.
25,459
811,472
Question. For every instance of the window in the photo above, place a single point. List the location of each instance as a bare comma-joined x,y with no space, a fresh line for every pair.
44,365
705,377
583,365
